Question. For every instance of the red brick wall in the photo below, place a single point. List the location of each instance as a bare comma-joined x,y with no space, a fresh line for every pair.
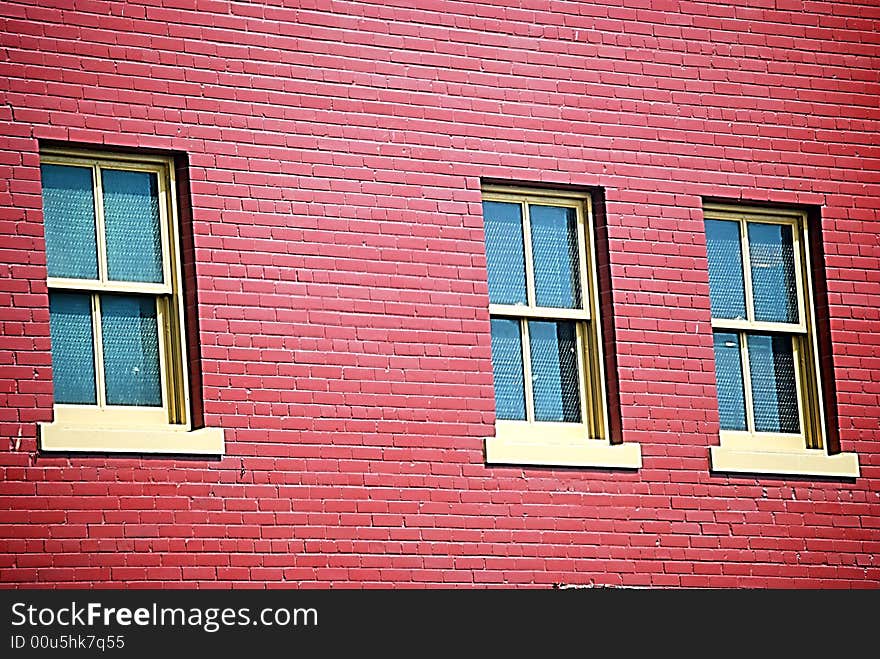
335,153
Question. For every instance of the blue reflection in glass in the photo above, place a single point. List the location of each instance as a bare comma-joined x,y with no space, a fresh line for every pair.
507,369
771,361
774,287
73,356
131,350
555,256
729,380
131,220
69,216
554,371
726,287
504,252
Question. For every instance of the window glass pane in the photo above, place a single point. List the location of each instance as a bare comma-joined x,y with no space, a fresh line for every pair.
771,250
729,378
726,287
73,355
131,219
771,361
555,255
504,252
555,381
131,350
69,215
507,368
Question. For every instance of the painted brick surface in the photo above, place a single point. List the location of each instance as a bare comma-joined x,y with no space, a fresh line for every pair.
335,152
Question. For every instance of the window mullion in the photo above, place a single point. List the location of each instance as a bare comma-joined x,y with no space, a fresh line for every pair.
527,369
98,346
747,382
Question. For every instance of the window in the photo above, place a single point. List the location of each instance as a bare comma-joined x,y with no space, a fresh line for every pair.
766,362
115,306
546,345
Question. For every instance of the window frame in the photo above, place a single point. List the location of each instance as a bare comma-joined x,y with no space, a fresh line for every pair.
130,428
587,443
776,452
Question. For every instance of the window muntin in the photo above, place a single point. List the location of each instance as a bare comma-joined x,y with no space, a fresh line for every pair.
765,365
114,293
546,352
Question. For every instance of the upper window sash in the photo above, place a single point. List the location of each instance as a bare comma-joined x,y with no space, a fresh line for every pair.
531,307
99,167
748,265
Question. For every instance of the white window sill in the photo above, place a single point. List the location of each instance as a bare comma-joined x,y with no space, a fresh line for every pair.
582,453
804,462
161,439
